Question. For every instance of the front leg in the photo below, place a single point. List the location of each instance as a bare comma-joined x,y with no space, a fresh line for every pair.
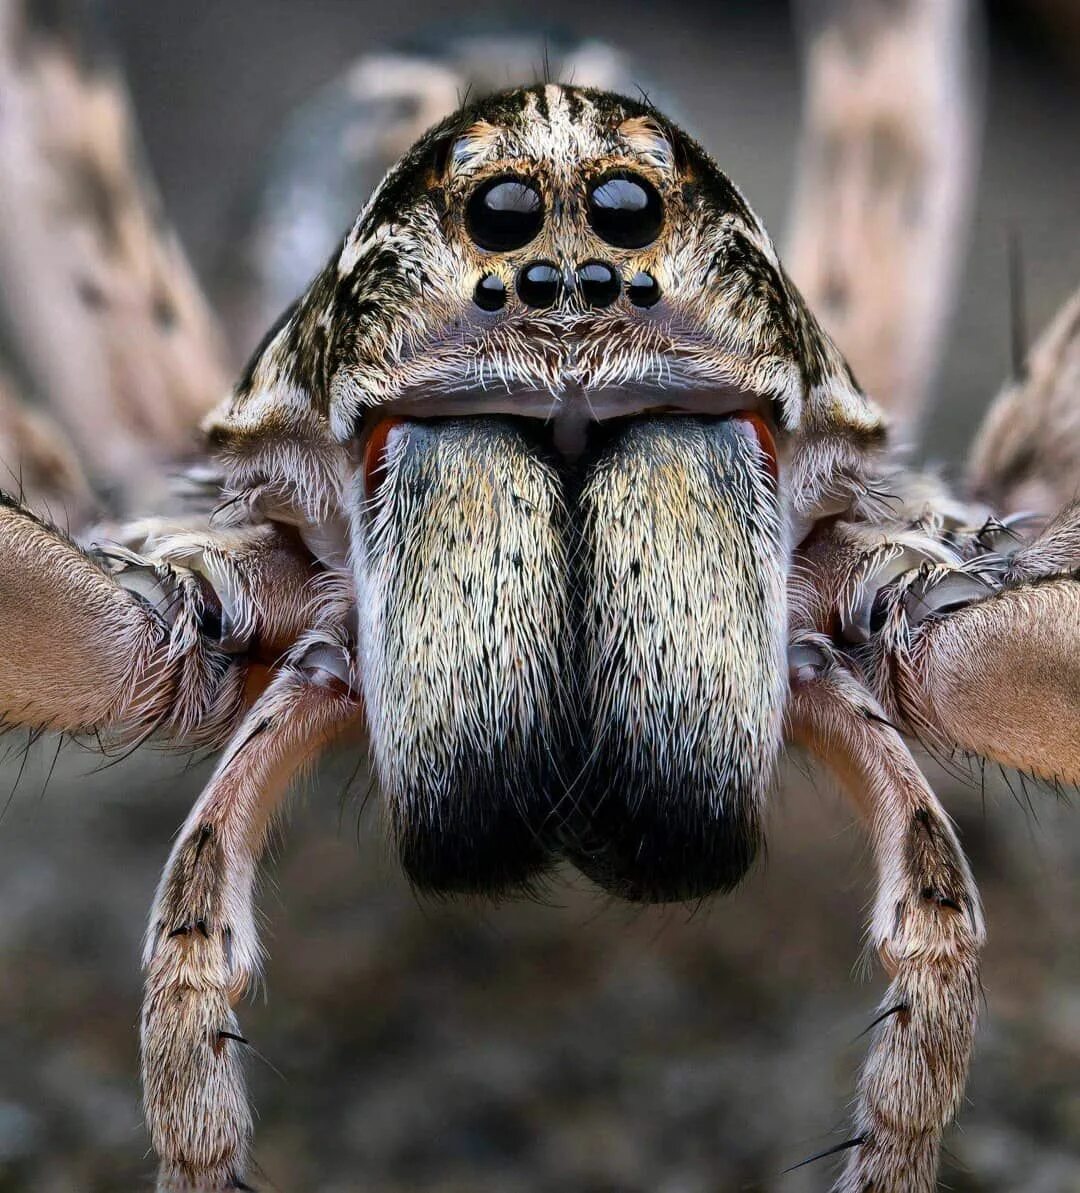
927,927
969,639
202,948
989,665
165,635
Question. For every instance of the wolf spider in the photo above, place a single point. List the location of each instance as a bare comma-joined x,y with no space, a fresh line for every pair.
552,485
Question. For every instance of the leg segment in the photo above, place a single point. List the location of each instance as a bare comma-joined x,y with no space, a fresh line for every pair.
1026,455
970,639
202,948
999,677
109,319
84,651
885,178
927,927
163,639
990,666
35,453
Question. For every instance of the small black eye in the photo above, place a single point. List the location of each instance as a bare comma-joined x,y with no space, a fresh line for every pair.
539,284
598,282
490,293
625,210
644,290
504,213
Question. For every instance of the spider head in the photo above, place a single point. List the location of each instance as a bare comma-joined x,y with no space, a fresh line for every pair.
571,256
585,412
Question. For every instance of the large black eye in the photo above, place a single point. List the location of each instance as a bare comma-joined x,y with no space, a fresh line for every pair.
504,213
625,210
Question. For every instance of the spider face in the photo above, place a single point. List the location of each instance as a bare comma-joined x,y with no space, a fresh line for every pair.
572,410
568,256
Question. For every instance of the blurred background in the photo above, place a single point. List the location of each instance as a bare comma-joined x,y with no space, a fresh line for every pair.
575,1045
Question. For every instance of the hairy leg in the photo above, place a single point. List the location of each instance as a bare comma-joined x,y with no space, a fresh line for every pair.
37,457
885,179
202,948
165,639
109,320
969,638
999,677
1026,455
926,926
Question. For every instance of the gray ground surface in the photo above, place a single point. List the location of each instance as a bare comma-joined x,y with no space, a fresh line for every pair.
575,1046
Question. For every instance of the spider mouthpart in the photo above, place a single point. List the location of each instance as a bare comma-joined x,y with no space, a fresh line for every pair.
463,560
681,576
374,465
752,424
573,416
573,655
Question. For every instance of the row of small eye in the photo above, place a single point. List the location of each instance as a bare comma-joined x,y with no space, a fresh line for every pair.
540,284
507,212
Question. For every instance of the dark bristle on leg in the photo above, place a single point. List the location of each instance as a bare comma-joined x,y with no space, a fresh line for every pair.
681,625
464,568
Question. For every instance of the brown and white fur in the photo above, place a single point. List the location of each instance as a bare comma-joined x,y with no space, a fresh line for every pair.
576,571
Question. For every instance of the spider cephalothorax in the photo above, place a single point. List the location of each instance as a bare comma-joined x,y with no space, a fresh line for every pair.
551,486
583,403
541,254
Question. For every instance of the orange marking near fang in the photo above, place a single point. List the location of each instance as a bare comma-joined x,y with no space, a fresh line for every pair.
761,432
375,454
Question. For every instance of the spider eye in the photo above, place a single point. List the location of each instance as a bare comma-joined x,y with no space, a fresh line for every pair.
644,290
625,210
599,283
490,293
539,284
504,213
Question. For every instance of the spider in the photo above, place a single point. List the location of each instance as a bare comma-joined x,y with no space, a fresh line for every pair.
552,487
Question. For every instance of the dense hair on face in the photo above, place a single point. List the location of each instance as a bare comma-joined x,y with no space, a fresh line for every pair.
681,649
465,639
394,311
555,255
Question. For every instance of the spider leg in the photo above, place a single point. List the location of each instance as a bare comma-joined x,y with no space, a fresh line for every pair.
886,169
38,457
969,640
926,925
137,642
202,948
1026,455
107,318
993,671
